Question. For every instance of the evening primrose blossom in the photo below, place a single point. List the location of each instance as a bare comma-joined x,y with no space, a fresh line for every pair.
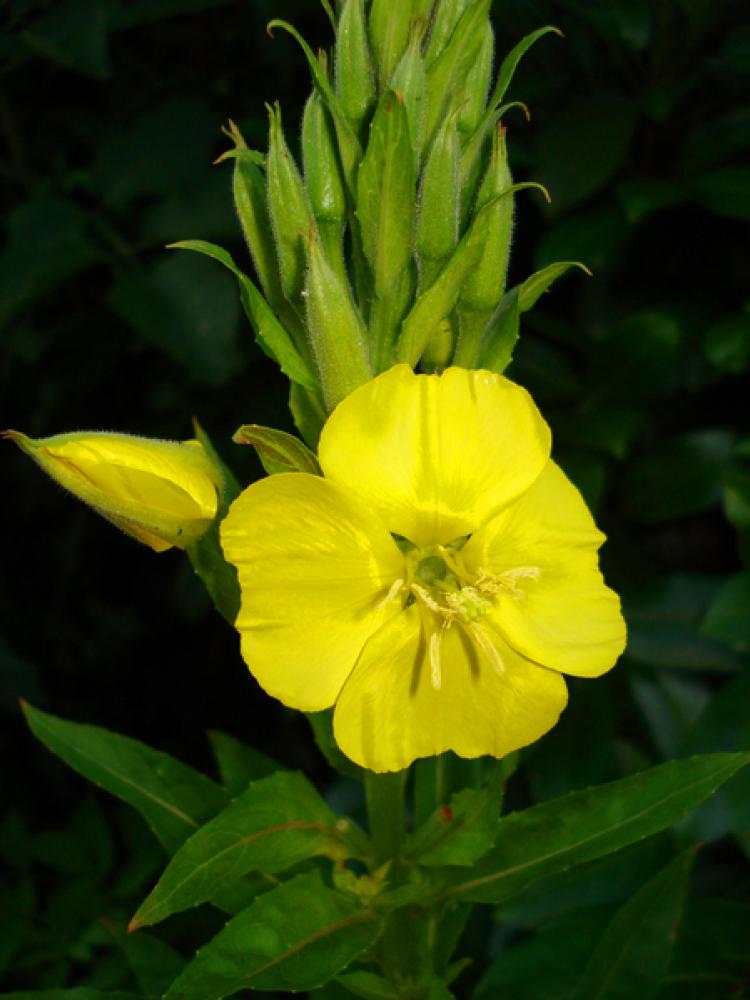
163,493
435,583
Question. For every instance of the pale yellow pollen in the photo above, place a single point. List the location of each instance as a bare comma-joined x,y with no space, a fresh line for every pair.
394,591
507,582
436,664
487,646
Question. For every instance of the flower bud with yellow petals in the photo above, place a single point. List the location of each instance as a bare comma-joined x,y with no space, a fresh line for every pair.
163,493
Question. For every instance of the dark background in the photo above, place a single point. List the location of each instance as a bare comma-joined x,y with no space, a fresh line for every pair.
109,122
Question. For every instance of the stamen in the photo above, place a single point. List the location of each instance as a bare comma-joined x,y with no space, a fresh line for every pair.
507,582
488,647
429,600
436,660
392,594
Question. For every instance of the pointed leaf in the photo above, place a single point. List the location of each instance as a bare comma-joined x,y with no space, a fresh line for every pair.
532,288
219,577
154,964
278,822
632,956
438,300
461,832
556,835
277,450
502,334
511,61
295,937
272,338
238,763
174,799
349,147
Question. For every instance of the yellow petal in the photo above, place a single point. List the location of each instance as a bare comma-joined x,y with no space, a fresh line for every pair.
566,618
391,711
435,455
163,493
315,571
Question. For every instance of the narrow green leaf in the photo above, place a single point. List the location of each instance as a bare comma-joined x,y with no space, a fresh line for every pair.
728,618
278,822
579,827
458,833
270,334
438,300
511,61
154,964
349,147
447,74
295,937
501,336
548,964
386,194
218,576
277,450
238,763
632,956
174,799
534,286
206,556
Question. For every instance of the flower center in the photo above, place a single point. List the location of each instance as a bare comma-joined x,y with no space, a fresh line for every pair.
448,595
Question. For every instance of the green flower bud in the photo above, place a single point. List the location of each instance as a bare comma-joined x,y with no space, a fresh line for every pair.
409,82
389,33
447,15
485,285
437,221
337,332
323,180
446,76
288,206
249,190
386,194
355,85
325,187
477,85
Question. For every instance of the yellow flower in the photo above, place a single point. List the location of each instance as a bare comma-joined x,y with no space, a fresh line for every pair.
163,493
435,583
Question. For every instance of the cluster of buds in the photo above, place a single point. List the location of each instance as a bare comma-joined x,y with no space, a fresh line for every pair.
391,242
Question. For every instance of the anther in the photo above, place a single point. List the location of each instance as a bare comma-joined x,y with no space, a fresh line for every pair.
436,661
488,647
392,594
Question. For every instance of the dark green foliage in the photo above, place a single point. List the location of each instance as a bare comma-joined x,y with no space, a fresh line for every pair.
109,116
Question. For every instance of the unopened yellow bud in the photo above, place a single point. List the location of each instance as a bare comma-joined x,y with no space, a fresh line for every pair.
163,493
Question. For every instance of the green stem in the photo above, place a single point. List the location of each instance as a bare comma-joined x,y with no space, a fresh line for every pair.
385,809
